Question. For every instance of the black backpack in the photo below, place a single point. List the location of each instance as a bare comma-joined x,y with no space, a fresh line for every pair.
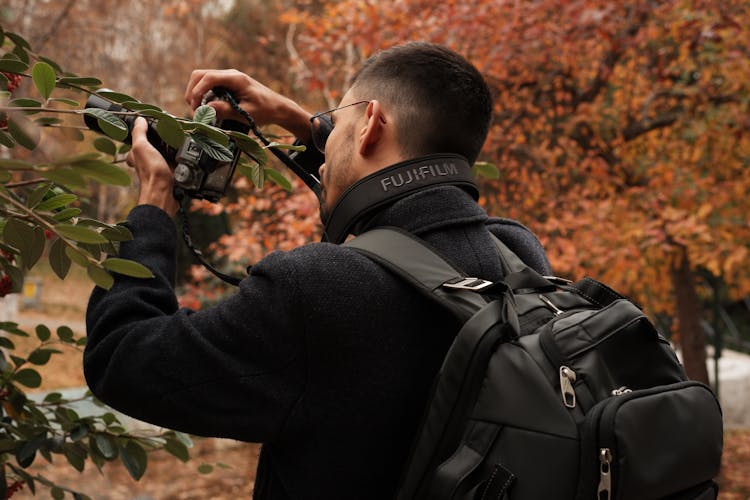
551,390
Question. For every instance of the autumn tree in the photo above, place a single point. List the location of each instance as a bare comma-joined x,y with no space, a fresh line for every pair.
620,128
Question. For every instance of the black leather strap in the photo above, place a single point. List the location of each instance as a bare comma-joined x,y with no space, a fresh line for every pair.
394,182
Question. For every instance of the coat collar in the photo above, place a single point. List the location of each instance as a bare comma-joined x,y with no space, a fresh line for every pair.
427,210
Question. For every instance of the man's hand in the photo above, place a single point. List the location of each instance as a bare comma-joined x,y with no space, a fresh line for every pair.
156,178
264,105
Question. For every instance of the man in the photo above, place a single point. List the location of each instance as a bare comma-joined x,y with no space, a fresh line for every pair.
321,354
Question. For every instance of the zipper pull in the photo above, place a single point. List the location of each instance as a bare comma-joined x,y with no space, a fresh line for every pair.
567,377
604,491
622,390
552,307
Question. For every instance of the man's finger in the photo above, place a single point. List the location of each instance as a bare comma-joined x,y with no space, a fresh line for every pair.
195,77
139,130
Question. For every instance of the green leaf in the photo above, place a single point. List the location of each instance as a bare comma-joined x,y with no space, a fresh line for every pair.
52,63
117,233
139,106
134,458
37,195
44,78
53,397
57,493
106,446
116,96
77,256
6,139
28,377
99,276
11,164
65,334
41,356
106,146
43,333
127,267
47,121
36,249
10,327
69,102
110,124
25,132
69,160
103,172
16,278
213,149
177,449
66,177
13,66
205,114
183,438
75,455
79,234
278,178
18,40
22,54
66,214
83,81
26,452
57,201
206,468
170,130
217,134
23,102
291,147
79,432
250,147
23,238
5,176
253,172
484,169
6,343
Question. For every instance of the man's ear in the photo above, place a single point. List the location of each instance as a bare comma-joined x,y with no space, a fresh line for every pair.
374,130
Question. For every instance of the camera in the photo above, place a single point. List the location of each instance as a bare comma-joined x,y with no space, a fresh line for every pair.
195,172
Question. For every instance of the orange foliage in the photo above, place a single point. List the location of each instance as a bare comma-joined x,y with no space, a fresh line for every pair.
621,128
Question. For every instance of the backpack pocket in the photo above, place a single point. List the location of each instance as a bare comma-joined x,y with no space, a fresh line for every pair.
594,352
651,444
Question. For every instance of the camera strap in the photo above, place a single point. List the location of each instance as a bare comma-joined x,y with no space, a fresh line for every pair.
308,178
179,195
385,186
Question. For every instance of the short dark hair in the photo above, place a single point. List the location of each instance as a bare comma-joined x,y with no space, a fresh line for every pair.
441,101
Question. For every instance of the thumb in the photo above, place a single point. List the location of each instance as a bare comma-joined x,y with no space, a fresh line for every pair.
139,130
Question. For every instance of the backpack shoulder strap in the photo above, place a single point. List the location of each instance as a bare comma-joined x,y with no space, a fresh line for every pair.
415,261
511,262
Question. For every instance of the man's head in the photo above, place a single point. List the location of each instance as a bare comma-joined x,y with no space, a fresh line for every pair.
439,101
420,99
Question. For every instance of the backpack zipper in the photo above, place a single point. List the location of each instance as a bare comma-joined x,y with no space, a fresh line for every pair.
567,378
604,490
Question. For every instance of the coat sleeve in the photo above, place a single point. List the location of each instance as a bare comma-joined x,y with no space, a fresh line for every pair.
232,370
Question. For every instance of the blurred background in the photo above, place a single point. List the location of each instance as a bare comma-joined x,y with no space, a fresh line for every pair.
621,137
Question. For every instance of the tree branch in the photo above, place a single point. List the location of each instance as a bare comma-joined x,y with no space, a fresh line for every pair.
55,26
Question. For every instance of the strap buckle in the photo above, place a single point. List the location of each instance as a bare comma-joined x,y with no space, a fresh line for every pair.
473,284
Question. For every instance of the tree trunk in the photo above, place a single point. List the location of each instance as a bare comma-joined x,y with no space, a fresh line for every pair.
692,339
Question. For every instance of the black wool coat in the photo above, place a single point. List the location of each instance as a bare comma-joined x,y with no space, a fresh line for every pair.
321,355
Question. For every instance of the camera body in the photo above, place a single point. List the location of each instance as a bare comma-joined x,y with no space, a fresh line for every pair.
195,172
